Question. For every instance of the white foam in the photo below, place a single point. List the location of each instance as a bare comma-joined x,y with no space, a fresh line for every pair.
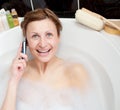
32,96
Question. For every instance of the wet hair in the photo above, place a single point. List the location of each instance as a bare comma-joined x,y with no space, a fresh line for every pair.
40,14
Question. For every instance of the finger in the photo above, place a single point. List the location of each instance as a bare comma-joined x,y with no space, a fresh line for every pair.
20,68
23,56
21,64
24,64
23,60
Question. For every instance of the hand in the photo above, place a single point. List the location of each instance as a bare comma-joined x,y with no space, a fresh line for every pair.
18,65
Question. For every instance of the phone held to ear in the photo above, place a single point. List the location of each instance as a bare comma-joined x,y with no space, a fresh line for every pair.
24,46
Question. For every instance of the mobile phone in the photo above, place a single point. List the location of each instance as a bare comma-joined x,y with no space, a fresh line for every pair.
24,46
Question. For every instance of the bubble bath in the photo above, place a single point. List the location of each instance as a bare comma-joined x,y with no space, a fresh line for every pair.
39,95
73,48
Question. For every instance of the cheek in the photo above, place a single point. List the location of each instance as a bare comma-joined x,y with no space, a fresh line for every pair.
55,43
31,44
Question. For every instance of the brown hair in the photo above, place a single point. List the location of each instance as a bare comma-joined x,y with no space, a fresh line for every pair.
40,14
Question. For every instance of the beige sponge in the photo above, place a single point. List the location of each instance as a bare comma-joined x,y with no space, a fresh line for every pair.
89,20
96,21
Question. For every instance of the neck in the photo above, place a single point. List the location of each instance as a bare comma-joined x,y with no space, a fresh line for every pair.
42,67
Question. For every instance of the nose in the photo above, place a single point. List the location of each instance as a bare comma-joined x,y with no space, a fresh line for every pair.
42,43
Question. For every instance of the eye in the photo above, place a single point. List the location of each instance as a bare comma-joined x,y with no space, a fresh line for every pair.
35,36
49,35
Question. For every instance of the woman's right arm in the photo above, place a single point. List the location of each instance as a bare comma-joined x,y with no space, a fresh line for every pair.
17,69
10,98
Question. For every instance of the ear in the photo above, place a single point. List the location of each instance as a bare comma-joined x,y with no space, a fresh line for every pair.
26,42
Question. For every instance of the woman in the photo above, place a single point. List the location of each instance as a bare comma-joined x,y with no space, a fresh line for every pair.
45,82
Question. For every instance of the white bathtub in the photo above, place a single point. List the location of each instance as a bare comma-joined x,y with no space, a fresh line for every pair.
93,49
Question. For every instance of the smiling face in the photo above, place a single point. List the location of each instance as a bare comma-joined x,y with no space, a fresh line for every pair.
42,39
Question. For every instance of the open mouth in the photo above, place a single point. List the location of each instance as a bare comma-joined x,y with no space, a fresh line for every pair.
44,52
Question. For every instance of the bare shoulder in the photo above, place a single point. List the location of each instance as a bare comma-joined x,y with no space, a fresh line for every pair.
76,69
77,75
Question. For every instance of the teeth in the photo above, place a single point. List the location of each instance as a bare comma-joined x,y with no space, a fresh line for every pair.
42,51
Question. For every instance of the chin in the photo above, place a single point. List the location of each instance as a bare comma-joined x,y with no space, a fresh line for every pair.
45,60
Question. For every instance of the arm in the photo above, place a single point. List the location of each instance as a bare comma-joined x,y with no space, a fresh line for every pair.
17,69
10,99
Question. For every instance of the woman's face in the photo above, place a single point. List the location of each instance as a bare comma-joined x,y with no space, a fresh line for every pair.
42,39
